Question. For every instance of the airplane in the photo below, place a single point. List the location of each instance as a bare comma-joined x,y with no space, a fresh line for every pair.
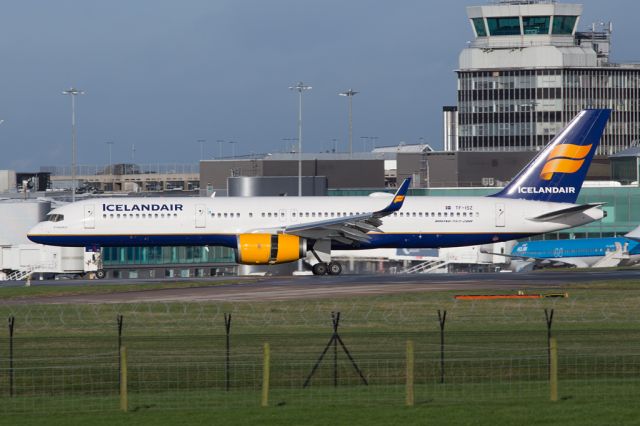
581,253
272,230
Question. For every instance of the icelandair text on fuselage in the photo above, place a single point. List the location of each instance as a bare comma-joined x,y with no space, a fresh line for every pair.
546,190
142,208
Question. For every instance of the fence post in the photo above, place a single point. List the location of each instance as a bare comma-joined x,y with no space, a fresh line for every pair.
409,384
554,369
266,365
548,315
442,318
227,326
120,321
12,321
124,402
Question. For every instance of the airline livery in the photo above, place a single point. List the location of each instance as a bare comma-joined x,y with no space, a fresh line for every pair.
270,230
582,253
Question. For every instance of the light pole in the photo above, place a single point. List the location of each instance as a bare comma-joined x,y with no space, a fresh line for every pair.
300,87
201,142
73,92
220,142
288,148
350,94
233,148
366,139
110,145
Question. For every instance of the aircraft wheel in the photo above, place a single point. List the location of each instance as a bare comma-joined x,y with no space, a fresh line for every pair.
335,268
100,274
320,268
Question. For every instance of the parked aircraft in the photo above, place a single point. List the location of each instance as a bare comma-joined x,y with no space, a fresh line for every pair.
270,230
581,253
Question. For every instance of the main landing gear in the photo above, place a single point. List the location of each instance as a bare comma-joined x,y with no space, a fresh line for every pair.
321,252
322,268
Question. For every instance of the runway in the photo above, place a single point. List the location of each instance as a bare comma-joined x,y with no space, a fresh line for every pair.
311,287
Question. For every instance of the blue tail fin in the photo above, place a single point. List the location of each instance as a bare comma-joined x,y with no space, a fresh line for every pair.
557,172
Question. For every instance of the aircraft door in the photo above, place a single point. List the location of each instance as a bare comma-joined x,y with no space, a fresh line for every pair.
89,216
500,216
201,216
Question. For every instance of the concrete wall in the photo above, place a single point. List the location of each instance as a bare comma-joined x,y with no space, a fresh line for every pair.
465,168
340,173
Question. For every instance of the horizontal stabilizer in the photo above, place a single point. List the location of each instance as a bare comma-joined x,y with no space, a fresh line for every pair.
558,214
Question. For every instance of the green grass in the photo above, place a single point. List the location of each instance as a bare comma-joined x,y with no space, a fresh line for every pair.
568,413
24,292
496,364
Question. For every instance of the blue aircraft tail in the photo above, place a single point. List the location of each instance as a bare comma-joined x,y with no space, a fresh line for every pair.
557,172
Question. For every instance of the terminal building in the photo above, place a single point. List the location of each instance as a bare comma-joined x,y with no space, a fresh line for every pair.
529,70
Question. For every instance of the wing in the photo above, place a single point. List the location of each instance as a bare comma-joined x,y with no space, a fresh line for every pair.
348,229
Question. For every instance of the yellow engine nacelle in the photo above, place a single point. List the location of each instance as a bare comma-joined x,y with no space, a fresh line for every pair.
269,249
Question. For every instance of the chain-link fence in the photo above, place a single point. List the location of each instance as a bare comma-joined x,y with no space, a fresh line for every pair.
60,373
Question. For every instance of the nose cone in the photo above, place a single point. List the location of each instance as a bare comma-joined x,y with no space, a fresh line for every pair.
38,233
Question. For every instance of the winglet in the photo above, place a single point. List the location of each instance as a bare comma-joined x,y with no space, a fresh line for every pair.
398,199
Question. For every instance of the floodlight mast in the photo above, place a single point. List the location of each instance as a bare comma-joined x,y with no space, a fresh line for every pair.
350,94
300,87
73,92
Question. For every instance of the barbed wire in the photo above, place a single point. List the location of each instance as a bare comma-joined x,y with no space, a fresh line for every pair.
384,313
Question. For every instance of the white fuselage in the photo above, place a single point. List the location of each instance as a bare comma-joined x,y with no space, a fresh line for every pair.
421,222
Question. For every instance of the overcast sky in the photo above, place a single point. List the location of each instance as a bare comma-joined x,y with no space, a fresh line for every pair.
162,74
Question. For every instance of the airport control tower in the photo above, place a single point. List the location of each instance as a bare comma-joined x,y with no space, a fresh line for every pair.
528,71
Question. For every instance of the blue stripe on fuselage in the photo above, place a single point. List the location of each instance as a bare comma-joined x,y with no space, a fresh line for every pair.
226,240
229,240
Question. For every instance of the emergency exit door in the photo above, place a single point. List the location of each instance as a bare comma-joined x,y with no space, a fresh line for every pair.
201,216
89,216
500,216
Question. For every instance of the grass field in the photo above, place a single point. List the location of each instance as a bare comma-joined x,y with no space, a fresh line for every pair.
496,366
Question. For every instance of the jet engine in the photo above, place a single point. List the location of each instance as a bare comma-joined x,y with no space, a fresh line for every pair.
269,249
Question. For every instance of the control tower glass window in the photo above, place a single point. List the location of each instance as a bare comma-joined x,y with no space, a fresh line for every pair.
563,25
478,24
504,26
536,24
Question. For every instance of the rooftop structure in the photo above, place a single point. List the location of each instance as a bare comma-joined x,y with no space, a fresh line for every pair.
529,70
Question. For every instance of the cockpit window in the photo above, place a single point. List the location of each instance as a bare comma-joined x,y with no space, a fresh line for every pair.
55,218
